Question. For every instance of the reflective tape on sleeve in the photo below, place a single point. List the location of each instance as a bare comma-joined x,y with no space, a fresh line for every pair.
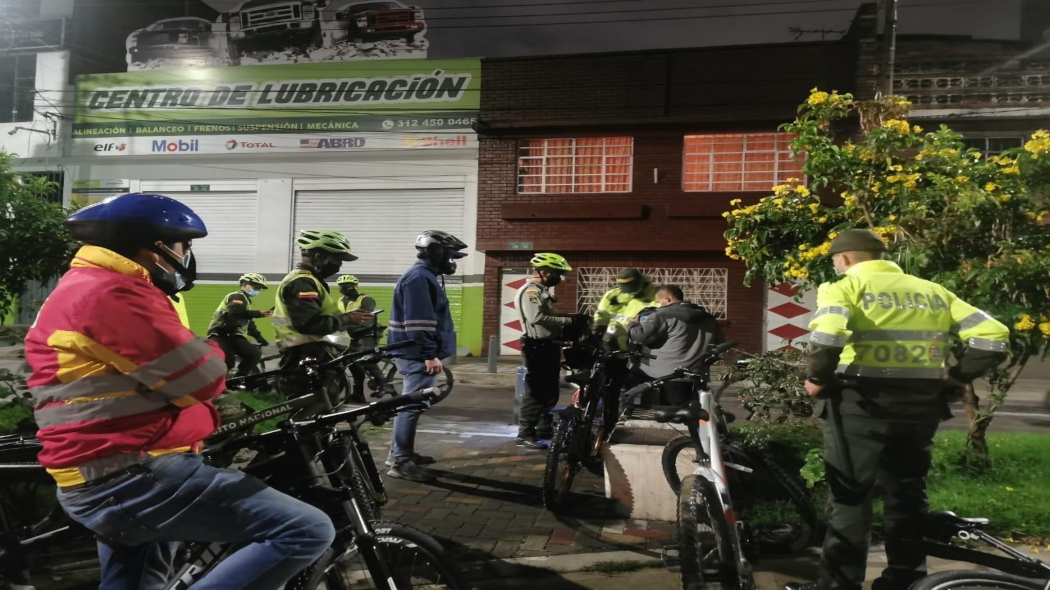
986,344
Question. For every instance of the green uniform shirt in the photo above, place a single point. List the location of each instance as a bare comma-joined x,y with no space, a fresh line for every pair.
539,320
305,310
235,316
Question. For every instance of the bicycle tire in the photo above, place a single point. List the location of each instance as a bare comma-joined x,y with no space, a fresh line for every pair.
361,484
959,579
395,538
688,556
554,497
678,459
715,565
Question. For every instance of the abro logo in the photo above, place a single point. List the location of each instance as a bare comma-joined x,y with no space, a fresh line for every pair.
110,147
163,145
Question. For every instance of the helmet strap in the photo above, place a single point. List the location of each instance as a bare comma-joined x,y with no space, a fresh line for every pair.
180,278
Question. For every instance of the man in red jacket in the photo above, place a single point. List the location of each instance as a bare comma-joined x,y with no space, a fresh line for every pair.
121,391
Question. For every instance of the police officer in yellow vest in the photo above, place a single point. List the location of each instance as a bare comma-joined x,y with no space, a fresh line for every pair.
632,294
305,311
877,361
362,335
234,321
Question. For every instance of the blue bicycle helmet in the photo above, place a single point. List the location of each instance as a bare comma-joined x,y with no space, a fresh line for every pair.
136,219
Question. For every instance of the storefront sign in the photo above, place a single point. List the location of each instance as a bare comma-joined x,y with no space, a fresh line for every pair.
32,36
85,192
420,97
273,144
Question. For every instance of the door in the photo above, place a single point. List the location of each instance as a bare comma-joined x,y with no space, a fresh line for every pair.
510,328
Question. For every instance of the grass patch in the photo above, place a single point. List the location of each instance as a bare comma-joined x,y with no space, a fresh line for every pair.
259,401
620,567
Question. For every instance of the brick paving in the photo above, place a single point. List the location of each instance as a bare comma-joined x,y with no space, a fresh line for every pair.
487,504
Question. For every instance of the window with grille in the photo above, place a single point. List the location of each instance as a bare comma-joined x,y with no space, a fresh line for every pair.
993,146
733,162
17,88
708,287
580,165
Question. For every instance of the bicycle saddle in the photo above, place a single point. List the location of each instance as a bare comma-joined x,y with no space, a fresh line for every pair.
687,414
947,523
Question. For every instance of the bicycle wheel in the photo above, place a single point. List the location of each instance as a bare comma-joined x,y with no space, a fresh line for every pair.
678,461
705,547
976,580
360,483
415,559
562,462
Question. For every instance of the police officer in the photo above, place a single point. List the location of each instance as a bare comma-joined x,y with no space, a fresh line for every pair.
233,322
362,334
632,294
543,326
877,361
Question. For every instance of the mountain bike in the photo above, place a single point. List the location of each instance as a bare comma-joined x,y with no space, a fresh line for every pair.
765,483
585,426
710,539
1016,571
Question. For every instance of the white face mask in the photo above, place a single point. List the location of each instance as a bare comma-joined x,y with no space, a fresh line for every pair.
252,292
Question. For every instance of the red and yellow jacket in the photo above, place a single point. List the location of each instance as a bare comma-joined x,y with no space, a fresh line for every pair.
116,376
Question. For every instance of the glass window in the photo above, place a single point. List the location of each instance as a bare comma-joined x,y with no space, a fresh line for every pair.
580,165
735,162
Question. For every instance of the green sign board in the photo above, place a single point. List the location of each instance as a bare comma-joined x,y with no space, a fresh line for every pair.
200,188
520,245
397,95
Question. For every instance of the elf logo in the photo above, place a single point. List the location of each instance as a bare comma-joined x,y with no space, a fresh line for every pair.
110,147
163,145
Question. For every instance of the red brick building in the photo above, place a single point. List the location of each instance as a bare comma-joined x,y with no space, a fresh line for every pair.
629,159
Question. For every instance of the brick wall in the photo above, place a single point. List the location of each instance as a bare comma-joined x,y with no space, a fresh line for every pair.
745,310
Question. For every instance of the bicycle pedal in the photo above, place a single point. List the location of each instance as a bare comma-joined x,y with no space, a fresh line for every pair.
738,467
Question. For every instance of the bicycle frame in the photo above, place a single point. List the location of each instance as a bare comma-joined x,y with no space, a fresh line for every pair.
707,435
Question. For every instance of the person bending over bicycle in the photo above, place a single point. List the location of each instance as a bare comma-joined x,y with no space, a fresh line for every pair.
125,454
234,321
306,311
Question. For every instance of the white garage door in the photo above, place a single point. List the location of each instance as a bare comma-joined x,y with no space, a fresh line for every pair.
232,220
382,224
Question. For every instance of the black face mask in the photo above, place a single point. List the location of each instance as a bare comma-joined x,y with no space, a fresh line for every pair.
441,259
350,292
553,280
175,281
326,266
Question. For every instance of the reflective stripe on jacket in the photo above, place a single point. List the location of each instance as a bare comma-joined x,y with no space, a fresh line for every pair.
115,374
224,322
893,325
616,309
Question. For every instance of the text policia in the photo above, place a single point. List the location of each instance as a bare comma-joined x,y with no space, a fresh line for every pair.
435,87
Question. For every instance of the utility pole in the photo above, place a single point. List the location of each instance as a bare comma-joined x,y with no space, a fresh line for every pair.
891,32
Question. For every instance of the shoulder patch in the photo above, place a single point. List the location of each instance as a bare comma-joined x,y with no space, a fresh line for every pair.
533,294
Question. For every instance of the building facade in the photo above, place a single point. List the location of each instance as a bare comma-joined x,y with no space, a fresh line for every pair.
629,160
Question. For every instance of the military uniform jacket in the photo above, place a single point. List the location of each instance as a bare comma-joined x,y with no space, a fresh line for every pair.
539,320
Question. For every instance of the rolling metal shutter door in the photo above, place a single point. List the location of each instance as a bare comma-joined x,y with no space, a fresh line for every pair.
382,224
232,220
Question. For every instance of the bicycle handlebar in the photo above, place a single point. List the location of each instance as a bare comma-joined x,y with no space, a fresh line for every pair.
416,398
346,359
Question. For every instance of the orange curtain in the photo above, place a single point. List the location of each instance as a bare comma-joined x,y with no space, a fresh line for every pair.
583,165
738,162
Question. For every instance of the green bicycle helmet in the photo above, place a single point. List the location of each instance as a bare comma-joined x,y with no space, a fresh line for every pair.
550,260
254,278
327,240
347,280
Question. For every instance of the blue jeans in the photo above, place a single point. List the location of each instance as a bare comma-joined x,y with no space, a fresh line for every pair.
141,516
402,445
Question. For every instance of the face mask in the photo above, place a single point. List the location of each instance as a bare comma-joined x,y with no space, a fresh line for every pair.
350,292
328,266
252,292
177,280
553,279
442,261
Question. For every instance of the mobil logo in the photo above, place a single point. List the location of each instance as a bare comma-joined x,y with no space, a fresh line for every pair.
176,145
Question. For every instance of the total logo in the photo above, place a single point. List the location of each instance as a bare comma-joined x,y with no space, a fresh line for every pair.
424,141
111,147
233,144
177,146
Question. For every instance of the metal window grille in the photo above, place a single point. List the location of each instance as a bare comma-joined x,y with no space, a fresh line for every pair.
993,146
708,287
738,162
570,165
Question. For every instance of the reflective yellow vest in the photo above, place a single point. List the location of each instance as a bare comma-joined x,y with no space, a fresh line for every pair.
285,332
348,306
617,308
218,319
180,308
893,325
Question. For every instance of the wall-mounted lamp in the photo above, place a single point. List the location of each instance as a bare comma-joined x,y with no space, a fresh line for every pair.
50,134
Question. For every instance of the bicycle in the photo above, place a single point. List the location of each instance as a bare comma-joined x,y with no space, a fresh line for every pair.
1016,571
710,539
757,478
26,544
585,426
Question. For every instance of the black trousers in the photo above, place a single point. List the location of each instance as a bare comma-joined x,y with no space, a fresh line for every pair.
543,363
238,346
877,431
